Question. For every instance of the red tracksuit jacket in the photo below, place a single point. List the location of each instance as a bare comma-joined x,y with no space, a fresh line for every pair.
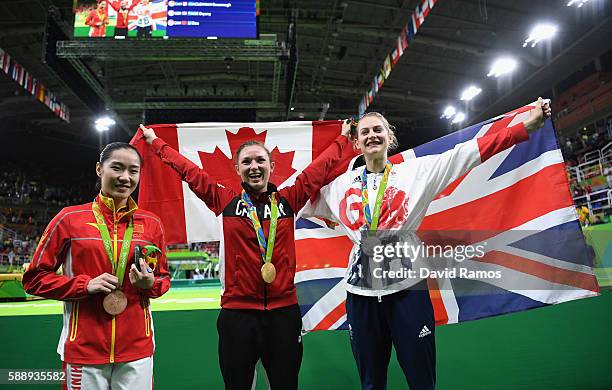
240,257
72,240
122,16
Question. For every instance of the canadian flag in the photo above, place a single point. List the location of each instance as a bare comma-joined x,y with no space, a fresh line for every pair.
212,146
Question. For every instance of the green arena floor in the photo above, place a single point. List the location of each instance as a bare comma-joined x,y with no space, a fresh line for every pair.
564,346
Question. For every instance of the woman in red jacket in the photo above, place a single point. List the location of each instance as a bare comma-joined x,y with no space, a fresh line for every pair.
97,20
259,317
107,337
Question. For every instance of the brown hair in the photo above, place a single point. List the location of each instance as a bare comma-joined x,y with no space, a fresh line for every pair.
252,143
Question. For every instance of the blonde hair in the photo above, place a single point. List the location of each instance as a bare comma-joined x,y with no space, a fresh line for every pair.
390,128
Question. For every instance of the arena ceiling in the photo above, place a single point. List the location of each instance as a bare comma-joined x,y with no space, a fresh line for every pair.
341,45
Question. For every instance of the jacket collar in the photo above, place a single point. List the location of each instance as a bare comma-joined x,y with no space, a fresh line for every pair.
107,205
259,197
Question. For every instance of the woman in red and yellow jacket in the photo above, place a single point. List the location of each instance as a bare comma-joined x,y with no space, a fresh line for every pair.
107,336
97,20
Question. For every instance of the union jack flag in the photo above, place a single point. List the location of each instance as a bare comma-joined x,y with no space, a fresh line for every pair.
519,196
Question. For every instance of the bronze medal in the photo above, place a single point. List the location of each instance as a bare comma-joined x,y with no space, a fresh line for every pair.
268,272
115,302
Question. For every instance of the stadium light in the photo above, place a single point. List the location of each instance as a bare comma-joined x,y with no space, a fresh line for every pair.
449,112
104,123
501,66
460,117
540,32
470,93
578,3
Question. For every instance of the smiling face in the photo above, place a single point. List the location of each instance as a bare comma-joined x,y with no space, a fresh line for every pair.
373,137
254,167
119,174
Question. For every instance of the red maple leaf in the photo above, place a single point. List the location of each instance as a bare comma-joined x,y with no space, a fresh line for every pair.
222,169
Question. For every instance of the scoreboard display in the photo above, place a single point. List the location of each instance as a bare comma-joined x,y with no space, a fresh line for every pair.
123,19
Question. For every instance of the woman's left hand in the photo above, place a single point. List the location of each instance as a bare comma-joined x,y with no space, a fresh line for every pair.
538,115
346,128
144,279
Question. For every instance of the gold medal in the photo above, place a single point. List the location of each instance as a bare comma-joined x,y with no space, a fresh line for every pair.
268,272
115,302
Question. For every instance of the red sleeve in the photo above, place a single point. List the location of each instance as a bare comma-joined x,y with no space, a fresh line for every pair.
492,144
90,20
162,276
215,197
41,278
114,4
320,172
134,4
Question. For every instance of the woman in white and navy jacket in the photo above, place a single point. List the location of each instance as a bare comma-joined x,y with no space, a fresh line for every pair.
393,308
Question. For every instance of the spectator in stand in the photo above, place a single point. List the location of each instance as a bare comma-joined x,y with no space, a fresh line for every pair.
584,139
583,215
578,191
608,173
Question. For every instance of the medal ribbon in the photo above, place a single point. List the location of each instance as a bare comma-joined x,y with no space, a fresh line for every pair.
372,219
119,268
266,247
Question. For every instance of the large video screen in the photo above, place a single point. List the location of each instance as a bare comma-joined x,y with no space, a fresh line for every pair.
121,19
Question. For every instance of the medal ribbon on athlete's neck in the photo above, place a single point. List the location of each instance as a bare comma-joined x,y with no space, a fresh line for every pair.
266,247
119,266
372,218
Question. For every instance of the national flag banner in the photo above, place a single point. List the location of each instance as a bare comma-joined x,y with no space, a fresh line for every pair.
403,39
523,190
380,79
34,86
3,58
395,55
412,27
416,19
16,73
29,84
25,79
419,14
40,93
6,62
213,146
520,197
362,105
387,67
